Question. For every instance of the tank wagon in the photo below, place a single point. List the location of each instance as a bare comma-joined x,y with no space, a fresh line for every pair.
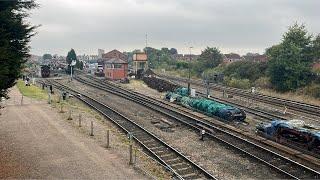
45,71
294,133
206,106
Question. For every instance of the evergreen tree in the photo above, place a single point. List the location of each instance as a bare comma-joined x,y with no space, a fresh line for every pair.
71,56
15,34
209,58
47,56
290,61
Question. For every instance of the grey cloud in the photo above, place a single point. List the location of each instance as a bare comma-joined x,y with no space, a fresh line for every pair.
232,25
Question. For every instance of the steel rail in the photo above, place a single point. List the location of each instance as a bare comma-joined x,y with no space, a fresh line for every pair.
295,105
175,161
281,163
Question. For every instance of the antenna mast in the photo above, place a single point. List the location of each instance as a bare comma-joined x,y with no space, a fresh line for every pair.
146,40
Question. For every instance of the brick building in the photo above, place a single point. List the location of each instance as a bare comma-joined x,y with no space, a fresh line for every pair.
232,57
116,69
256,57
114,54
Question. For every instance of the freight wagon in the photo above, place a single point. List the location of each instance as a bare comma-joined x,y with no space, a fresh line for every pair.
294,133
206,106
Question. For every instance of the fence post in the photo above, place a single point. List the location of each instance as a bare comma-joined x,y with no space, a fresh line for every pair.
130,154
108,139
61,107
91,133
80,116
21,103
70,117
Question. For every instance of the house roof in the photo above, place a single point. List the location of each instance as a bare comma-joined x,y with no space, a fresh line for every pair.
114,61
233,56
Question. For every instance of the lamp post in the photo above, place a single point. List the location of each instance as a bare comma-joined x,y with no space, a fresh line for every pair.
189,69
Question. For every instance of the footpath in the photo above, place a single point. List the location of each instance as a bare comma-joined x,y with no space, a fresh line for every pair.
34,145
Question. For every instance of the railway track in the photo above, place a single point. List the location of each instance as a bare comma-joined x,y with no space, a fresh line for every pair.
294,105
283,165
173,160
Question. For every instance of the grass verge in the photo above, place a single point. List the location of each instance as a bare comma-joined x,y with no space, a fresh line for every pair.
31,91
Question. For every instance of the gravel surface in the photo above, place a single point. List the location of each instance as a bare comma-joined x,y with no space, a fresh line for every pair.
215,157
37,142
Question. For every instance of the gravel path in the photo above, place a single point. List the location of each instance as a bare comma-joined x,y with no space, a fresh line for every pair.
216,158
36,144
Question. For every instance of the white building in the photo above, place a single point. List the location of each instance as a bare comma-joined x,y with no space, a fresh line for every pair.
100,52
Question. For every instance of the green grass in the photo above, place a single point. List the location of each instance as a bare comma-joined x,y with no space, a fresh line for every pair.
31,91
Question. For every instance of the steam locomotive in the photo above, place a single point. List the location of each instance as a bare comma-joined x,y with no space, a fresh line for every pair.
45,71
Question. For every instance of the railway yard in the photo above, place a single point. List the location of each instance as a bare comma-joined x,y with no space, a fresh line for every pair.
170,133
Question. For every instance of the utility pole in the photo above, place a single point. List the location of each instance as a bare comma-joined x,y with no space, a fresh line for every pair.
146,40
189,76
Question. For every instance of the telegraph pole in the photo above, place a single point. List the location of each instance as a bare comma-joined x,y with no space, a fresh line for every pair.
189,76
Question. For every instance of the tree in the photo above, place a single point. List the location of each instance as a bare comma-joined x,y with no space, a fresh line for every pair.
316,47
71,56
165,50
15,35
173,51
290,62
209,58
47,56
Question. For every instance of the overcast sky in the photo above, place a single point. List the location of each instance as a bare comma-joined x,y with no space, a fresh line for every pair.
238,26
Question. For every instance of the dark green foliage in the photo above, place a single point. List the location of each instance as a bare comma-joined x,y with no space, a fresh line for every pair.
181,65
290,61
209,58
173,51
246,70
165,50
316,47
47,56
73,56
158,57
15,34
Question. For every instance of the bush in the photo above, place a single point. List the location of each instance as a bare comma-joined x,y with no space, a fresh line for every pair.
181,65
313,90
238,83
246,70
263,82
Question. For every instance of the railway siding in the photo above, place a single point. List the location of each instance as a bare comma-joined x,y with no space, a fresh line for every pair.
286,163
182,166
